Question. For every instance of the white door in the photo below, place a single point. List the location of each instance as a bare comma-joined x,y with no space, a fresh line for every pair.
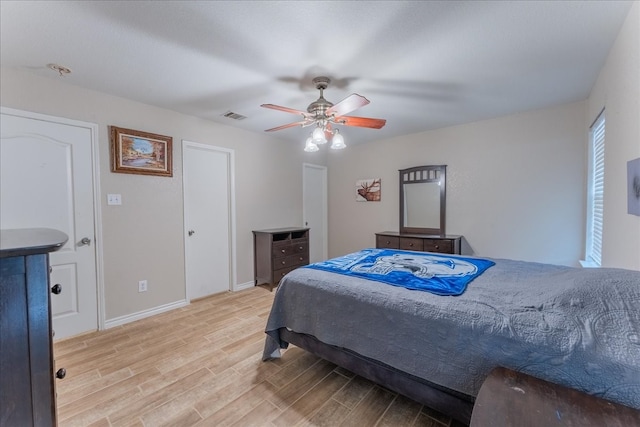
46,180
207,218
314,209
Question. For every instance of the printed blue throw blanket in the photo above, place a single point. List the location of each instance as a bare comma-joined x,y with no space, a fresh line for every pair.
438,274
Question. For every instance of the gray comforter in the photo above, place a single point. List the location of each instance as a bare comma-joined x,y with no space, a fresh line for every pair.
571,326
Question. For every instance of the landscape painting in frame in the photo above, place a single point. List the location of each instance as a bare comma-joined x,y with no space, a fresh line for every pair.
368,190
141,153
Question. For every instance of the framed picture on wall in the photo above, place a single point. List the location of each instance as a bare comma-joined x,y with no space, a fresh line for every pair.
140,153
368,190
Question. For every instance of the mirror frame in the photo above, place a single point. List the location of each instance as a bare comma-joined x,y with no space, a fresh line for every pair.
422,174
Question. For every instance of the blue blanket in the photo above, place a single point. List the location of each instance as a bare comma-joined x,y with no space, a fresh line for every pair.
438,274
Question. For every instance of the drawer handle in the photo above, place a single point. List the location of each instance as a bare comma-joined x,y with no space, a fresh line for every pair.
61,373
56,289
388,242
282,250
283,263
437,247
410,244
300,247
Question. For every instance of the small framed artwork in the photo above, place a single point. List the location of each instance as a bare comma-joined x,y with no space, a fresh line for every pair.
633,184
140,153
368,190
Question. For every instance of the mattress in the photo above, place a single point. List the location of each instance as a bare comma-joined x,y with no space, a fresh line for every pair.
571,326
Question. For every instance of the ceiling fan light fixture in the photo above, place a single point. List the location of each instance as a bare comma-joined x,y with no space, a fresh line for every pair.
309,146
325,114
337,142
318,135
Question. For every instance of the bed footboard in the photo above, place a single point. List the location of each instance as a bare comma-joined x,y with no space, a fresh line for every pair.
449,402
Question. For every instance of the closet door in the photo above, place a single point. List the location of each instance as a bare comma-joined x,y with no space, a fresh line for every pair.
314,200
208,219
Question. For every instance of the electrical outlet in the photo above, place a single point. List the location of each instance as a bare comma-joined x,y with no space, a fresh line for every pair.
142,286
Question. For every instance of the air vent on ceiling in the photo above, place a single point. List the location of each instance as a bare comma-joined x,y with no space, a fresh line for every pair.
234,116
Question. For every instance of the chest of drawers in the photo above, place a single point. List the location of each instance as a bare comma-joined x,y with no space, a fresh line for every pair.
277,251
27,388
447,244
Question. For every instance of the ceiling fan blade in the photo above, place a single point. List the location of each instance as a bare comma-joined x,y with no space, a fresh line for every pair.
347,105
363,122
287,126
285,109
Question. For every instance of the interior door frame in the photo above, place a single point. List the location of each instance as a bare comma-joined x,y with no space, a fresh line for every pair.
232,209
97,213
325,226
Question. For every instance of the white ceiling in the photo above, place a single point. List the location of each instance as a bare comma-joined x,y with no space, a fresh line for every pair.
422,64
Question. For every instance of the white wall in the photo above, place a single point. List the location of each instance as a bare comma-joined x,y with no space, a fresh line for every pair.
143,238
515,185
618,91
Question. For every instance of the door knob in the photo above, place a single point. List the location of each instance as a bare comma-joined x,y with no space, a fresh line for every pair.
84,242
191,232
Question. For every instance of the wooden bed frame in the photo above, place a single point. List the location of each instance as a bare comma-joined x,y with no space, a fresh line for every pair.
449,402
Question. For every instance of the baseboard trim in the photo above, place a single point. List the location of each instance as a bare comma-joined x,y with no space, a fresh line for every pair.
243,286
110,323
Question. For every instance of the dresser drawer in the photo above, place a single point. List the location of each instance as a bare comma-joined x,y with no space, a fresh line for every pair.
448,244
411,244
444,246
299,259
280,273
301,246
291,261
387,242
281,250
288,250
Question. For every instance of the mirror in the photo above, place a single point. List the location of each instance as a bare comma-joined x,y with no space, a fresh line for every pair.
422,200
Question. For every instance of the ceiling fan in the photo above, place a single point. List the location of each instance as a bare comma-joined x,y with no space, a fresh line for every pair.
324,114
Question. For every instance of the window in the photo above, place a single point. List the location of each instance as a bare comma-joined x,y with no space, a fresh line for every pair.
595,191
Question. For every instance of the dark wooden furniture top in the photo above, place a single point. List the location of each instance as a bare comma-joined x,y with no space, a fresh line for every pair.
448,244
277,251
29,241
509,398
27,388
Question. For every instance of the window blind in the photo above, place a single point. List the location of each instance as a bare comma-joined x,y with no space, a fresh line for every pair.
596,193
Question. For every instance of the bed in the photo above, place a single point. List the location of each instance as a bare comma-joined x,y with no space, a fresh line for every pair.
570,326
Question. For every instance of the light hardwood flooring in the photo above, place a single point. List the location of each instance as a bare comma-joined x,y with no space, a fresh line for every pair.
201,366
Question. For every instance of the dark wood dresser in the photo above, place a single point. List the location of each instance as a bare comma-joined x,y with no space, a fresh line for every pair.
277,251
27,388
448,244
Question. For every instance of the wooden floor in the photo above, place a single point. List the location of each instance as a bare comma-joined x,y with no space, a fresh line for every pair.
201,366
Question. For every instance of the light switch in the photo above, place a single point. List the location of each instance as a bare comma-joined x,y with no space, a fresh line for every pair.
114,199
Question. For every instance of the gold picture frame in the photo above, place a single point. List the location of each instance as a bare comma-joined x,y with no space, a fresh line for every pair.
142,153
